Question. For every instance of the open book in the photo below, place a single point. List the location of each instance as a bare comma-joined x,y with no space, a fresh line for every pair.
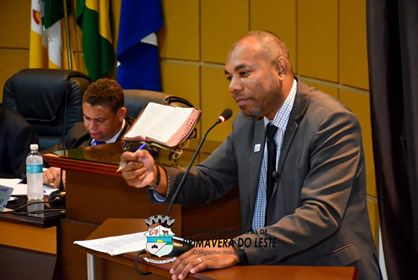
163,124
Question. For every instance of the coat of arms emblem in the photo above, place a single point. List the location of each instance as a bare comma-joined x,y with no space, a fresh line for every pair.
159,236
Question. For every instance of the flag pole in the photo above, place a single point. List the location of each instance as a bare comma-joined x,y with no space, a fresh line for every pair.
67,36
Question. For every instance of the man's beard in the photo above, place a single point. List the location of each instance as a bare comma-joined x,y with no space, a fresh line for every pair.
255,113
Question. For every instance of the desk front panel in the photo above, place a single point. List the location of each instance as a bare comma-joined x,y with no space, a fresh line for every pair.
28,237
93,198
27,251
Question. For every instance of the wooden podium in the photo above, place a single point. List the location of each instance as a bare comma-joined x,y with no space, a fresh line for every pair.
95,192
122,266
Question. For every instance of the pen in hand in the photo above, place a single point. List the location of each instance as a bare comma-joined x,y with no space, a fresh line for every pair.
122,164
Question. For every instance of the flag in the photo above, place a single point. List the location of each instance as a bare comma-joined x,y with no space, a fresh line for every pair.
45,50
95,20
137,52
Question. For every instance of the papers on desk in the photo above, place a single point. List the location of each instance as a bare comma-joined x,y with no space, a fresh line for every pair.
10,182
22,189
116,245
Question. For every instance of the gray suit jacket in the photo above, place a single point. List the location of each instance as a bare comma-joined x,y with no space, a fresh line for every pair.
317,212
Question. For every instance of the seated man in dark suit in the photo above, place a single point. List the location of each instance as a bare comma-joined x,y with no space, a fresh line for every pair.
16,135
104,122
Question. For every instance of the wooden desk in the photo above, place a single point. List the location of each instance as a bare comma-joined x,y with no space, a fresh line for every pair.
125,263
28,242
95,192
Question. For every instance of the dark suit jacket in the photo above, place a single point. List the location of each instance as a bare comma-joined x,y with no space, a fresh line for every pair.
80,137
318,210
16,135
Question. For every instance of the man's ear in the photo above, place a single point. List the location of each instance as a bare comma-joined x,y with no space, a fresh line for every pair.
122,112
281,66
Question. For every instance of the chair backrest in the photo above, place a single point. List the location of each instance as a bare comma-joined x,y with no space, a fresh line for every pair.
41,95
136,100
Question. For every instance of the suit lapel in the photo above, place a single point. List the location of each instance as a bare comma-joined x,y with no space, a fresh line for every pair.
256,158
299,108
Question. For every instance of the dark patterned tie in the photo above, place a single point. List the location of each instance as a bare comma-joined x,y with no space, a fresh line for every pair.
271,158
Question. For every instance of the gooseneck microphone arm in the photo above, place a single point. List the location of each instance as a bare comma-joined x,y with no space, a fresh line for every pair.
58,196
225,115
64,132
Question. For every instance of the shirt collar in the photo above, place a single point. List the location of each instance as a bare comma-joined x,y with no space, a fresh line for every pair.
282,116
114,137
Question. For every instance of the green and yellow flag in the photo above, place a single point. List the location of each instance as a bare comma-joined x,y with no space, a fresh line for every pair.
95,20
45,50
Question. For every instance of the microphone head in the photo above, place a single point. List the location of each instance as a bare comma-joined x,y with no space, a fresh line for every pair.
225,115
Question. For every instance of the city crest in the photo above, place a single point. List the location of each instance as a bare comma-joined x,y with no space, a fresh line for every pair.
159,241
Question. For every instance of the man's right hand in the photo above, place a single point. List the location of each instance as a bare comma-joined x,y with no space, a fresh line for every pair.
140,168
52,176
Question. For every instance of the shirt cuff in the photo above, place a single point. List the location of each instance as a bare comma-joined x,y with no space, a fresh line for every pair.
158,197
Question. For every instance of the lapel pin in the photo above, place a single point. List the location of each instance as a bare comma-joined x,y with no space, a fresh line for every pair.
257,148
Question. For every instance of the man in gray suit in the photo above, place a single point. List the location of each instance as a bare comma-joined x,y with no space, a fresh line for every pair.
312,207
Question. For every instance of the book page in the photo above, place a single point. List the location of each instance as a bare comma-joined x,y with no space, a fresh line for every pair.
183,133
163,124
170,125
152,115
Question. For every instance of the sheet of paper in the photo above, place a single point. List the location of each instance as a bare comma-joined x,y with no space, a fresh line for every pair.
116,245
48,190
22,189
9,182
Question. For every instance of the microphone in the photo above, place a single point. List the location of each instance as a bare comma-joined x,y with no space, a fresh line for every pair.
225,115
73,78
57,198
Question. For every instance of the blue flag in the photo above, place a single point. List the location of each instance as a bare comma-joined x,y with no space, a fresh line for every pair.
137,54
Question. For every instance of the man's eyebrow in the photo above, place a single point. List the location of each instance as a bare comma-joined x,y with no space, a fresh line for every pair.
236,68
95,119
239,67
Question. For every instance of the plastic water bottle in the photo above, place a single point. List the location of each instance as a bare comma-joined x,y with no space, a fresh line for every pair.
34,174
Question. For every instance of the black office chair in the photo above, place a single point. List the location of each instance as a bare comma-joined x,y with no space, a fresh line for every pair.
136,100
41,95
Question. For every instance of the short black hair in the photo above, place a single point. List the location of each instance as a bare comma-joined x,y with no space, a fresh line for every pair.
105,92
